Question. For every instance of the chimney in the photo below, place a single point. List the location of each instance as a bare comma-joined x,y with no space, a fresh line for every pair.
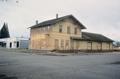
36,22
56,16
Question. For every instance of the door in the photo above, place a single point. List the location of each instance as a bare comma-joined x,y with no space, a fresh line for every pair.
89,46
17,44
10,45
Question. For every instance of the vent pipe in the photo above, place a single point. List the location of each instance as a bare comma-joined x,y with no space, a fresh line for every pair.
56,16
36,22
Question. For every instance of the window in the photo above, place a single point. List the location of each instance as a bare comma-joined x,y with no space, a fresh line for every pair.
77,44
48,27
45,29
60,28
89,45
56,43
75,31
99,46
41,29
62,44
68,30
67,44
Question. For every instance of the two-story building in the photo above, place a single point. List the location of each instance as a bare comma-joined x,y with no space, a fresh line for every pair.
65,33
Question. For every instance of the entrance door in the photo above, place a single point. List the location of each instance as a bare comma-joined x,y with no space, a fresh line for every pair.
10,45
17,44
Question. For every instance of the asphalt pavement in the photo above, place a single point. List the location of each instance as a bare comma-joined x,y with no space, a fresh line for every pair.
32,66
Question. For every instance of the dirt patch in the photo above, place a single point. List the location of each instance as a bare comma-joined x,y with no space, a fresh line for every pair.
116,63
3,76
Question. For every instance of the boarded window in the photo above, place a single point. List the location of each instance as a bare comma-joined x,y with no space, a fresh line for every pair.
62,44
99,46
60,28
77,44
67,44
89,45
68,30
75,32
56,44
46,28
108,45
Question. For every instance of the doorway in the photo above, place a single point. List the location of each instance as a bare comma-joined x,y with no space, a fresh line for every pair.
17,44
10,45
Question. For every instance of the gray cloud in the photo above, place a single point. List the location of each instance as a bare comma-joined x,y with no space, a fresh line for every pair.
100,16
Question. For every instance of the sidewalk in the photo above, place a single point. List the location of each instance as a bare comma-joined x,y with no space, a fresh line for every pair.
46,52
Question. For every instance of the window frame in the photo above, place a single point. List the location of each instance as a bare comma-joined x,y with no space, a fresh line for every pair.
68,30
62,44
56,44
75,30
60,29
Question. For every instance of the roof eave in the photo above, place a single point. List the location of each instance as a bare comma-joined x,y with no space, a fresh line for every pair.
83,27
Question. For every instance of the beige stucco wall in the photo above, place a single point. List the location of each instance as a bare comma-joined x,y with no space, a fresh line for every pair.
106,46
67,23
111,46
38,39
84,45
94,45
39,36
59,38
54,34
44,38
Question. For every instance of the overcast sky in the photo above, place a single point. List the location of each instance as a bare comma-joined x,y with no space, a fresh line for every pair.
99,16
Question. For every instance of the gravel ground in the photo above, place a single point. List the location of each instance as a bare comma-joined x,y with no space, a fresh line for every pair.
33,66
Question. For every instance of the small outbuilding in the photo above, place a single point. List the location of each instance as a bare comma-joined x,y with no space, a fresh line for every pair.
15,42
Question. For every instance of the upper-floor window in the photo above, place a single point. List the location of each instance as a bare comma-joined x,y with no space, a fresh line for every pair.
47,28
44,29
68,30
60,28
75,32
